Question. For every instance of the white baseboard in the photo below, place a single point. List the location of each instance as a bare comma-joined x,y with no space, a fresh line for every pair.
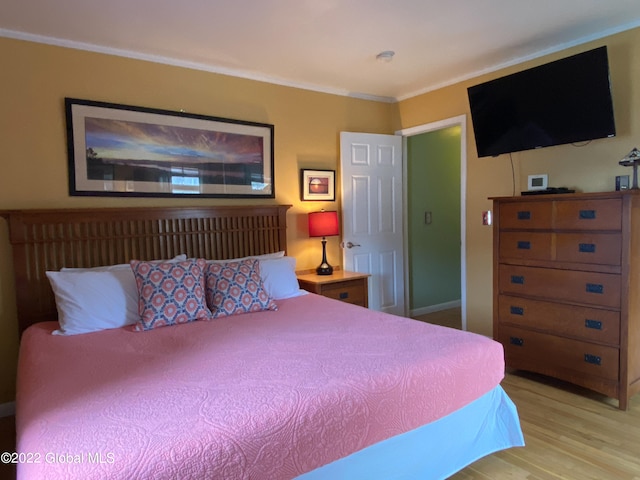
7,409
435,308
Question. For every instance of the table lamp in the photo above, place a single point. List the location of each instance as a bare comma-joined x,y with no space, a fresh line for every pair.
323,224
632,159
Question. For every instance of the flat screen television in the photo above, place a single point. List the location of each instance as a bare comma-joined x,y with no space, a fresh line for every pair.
565,101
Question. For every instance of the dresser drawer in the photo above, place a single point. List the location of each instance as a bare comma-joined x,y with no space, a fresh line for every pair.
526,215
590,248
547,353
347,291
602,289
589,214
526,245
590,324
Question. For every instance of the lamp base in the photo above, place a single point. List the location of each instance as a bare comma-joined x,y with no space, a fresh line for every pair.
324,269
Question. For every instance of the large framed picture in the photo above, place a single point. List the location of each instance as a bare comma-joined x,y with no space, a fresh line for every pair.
318,185
122,150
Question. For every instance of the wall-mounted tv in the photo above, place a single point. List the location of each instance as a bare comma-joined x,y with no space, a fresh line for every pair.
565,101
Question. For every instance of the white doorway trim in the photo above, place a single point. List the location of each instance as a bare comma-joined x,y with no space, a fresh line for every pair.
460,120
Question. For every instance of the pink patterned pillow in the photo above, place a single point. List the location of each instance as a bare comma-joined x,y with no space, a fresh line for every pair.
236,287
170,293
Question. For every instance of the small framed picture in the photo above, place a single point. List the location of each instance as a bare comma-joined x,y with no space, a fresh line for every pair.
318,185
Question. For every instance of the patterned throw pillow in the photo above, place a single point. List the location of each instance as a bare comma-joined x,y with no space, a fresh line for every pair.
236,287
170,293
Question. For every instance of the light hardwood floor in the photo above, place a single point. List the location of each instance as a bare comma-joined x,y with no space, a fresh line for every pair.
570,433
451,317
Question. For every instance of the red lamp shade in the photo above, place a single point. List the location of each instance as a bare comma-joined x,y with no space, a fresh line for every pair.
323,224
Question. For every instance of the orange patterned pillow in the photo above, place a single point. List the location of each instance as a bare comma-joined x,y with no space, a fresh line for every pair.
170,293
236,287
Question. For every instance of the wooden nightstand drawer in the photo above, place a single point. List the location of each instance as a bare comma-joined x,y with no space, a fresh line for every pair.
347,291
349,287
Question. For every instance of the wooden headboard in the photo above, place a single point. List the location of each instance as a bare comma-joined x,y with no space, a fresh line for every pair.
47,240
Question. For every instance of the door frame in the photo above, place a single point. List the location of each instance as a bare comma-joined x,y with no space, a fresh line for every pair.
461,121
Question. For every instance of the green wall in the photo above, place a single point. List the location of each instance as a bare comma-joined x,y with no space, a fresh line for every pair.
433,169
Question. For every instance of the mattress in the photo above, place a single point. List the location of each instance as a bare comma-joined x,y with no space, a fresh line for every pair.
268,395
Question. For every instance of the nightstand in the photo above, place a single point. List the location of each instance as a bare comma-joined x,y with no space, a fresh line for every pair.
349,287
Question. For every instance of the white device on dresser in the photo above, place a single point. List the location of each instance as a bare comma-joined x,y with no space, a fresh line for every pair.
538,182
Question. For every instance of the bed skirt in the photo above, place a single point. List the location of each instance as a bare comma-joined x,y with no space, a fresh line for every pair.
436,450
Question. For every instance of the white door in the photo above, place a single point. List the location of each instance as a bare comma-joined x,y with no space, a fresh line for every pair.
371,173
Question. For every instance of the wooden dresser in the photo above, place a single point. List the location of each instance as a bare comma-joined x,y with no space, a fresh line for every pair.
566,288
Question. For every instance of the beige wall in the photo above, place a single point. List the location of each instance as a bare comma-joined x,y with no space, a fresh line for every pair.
589,168
34,81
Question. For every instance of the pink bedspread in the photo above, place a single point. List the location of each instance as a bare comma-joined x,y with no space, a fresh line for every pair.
266,395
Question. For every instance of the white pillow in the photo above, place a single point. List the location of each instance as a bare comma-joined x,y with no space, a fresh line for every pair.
90,301
98,298
265,256
123,266
279,277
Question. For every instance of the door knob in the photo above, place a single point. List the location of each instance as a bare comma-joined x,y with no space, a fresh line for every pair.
351,245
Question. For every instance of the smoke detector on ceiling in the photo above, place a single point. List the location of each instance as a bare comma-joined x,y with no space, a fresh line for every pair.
386,56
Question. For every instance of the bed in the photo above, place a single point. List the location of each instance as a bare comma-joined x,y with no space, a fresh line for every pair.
304,387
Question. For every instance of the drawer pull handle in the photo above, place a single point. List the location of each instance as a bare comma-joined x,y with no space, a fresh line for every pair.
524,245
587,214
517,341
587,247
517,279
592,359
517,310
595,324
595,288
344,295
524,215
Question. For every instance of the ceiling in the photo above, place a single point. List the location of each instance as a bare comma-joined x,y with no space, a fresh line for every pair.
324,45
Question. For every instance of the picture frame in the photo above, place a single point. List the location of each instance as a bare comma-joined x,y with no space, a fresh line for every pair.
318,185
124,150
